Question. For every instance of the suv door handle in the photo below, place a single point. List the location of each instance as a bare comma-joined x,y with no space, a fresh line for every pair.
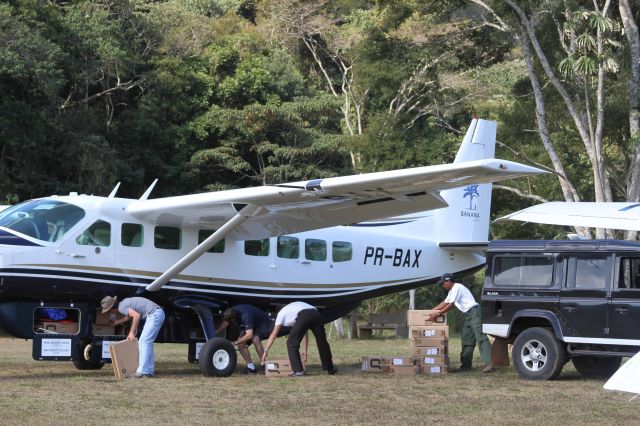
570,309
622,311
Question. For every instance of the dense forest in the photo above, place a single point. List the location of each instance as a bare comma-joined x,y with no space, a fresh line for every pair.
213,94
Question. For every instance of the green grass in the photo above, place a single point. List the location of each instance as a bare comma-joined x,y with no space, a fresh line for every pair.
33,392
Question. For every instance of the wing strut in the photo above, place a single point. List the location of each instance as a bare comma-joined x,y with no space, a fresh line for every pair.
244,214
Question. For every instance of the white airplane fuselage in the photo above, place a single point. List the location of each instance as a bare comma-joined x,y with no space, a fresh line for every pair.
383,258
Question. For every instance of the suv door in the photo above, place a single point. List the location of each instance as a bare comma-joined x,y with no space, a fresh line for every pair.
625,300
584,298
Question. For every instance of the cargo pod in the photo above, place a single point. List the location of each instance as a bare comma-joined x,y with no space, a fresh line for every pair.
56,333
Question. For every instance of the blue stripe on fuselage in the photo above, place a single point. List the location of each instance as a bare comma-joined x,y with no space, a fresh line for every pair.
10,239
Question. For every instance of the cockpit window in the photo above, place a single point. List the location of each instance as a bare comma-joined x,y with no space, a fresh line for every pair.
45,220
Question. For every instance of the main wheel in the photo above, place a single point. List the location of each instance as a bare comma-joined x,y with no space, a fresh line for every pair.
217,358
85,362
597,367
537,354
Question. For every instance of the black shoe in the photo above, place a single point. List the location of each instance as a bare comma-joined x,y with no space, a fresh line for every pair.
332,371
461,370
141,376
250,371
297,374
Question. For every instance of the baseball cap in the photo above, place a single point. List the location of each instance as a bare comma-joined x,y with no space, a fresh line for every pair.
445,277
107,303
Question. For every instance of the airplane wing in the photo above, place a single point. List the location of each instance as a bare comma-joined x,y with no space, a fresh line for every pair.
306,205
624,216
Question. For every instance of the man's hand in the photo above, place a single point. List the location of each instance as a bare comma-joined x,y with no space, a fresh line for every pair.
303,355
264,357
434,315
131,336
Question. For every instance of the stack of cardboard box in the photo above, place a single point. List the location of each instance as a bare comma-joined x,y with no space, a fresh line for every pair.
429,341
429,348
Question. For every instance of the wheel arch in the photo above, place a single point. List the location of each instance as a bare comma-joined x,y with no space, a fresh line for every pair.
528,318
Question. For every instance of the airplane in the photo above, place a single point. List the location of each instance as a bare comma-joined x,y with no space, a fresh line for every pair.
329,242
609,215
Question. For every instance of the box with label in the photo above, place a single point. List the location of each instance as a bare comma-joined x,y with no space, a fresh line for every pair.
433,370
393,361
429,341
441,331
277,368
105,319
419,351
421,317
434,360
57,327
403,370
372,364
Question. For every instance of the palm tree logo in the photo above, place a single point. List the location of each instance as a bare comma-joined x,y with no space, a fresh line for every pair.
471,191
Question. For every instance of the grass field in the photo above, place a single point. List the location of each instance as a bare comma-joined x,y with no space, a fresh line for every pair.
50,393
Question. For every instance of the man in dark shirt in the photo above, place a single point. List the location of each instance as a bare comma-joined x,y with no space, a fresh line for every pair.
256,326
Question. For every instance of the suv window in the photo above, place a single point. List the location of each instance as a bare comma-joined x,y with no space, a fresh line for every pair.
629,273
535,271
588,272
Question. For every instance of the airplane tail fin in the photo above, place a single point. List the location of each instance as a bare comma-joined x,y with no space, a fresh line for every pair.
467,217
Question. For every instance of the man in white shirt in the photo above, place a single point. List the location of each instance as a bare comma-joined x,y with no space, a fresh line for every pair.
460,297
301,317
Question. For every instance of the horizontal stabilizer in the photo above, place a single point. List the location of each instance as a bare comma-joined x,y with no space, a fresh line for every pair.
624,216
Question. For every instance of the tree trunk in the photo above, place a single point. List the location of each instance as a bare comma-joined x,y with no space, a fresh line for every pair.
412,299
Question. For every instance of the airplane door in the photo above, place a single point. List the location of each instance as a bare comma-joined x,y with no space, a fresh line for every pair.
301,260
584,299
624,309
91,246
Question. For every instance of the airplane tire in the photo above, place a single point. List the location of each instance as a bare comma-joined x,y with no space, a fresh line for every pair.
84,362
217,358
596,367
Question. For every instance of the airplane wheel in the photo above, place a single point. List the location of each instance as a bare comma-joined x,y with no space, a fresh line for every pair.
217,358
85,362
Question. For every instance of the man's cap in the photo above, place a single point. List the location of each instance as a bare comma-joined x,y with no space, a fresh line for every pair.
445,277
107,303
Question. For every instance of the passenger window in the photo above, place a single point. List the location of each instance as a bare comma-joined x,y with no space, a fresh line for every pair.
531,271
629,273
288,247
131,235
203,234
256,247
341,251
588,273
166,237
315,249
98,234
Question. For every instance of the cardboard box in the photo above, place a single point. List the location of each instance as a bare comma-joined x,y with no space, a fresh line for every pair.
103,330
372,364
421,317
124,358
434,370
429,341
403,370
434,360
57,327
394,361
277,368
420,351
441,331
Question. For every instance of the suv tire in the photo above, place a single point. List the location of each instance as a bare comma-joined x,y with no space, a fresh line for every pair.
597,367
537,354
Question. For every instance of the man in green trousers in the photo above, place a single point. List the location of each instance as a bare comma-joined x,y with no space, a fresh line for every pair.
460,297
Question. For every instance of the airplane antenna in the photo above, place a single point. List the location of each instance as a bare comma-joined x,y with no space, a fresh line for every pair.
148,191
115,190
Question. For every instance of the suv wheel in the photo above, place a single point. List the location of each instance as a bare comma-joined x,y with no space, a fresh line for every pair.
537,354
597,367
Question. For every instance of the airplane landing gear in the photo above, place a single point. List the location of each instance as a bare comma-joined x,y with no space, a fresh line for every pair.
85,362
217,358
